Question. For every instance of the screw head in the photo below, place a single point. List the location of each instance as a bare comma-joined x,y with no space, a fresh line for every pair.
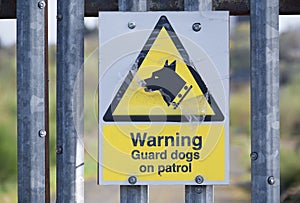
59,17
198,190
196,27
271,180
131,25
59,150
132,180
42,4
254,155
42,133
199,179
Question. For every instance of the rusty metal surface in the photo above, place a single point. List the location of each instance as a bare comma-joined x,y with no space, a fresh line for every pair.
166,5
7,9
236,7
289,7
91,7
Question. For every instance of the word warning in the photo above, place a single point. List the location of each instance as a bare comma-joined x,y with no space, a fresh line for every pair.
163,100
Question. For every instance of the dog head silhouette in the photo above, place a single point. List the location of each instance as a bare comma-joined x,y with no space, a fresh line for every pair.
166,81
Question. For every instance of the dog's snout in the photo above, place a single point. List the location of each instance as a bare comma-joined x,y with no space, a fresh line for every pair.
142,83
148,83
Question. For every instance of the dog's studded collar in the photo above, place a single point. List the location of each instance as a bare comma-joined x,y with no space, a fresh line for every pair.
181,95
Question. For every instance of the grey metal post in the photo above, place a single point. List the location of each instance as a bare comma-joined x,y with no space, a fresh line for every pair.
70,110
134,193
205,193
30,92
265,168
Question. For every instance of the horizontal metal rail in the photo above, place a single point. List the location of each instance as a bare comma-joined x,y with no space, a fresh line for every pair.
235,7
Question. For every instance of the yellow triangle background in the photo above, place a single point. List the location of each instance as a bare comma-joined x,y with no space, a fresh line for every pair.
136,101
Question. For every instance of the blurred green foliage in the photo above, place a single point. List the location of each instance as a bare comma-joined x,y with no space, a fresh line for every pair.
8,130
239,48
289,100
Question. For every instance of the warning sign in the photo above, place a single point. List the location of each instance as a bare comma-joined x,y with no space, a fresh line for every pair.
163,100
164,78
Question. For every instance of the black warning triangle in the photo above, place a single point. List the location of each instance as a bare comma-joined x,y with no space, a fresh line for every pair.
111,117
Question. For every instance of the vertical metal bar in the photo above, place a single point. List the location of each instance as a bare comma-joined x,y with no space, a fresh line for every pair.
70,110
201,193
194,194
197,5
265,101
46,81
30,92
132,5
136,193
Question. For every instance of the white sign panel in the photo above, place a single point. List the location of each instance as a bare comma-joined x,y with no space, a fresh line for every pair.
163,98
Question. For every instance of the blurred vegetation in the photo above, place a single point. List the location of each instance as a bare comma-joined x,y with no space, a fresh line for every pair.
289,102
290,111
8,130
8,113
239,48
239,110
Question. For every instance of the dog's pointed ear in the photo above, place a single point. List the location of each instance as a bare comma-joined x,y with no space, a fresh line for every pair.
172,66
166,64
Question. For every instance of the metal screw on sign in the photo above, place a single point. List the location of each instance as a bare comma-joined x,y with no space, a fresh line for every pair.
198,190
254,156
59,150
196,27
132,180
199,179
174,104
42,4
42,133
131,25
59,17
271,180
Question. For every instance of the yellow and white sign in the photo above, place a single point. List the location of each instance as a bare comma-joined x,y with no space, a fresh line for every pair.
163,100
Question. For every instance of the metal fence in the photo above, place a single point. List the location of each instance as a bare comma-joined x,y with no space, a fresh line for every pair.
33,178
